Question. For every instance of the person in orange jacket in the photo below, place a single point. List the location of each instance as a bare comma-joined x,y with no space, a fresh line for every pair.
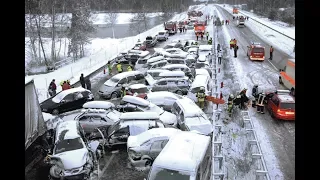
65,86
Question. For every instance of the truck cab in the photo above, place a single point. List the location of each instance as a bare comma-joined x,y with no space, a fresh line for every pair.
171,27
256,52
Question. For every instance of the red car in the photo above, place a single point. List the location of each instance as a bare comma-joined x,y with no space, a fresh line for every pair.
281,105
139,90
140,46
256,52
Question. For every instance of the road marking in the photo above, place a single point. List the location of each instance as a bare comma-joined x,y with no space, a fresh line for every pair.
273,65
106,165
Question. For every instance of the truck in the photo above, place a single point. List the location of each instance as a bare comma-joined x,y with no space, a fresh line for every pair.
287,75
151,41
171,27
240,21
235,10
199,28
35,127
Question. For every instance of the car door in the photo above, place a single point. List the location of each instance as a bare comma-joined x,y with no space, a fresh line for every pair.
182,123
160,86
121,135
168,102
274,104
172,86
156,147
67,103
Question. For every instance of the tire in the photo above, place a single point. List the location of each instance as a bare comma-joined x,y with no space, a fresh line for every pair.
179,92
114,95
55,112
148,162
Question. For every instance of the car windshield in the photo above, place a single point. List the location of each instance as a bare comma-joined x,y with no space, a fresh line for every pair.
114,80
258,50
200,65
68,145
140,90
113,128
167,174
161,33
287,106
58,97
204,51
154,108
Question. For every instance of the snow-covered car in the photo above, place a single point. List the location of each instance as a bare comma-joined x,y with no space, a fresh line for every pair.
51,121
133,55
205,49
138,90
132,124
191,117
191,59
177,67
164,99
99,105
71,154
201,64
200,81
67,100
176,51
202,72
135,104
163,35
171,45
170,55
203,58
176,85
172,74
145,147
140,46
158,64
90,119
155,73
193,50
149,62
176,60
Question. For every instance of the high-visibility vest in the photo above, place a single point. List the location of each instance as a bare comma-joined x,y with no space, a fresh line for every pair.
119,67
200,96
232,42
129,68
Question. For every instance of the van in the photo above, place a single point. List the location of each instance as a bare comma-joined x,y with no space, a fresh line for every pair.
287,75
111,88
163,35
190,117
200,81
281,105
186,155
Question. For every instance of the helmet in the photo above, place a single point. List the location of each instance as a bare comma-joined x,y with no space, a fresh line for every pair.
201,88
231,96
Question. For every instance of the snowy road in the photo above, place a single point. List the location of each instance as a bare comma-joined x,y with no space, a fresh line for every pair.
276,137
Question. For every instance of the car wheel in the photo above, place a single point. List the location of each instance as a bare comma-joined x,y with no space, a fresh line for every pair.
179,92
55,112
148,162
114,95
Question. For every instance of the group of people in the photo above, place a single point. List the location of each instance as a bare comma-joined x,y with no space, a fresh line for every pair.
182,29
85,82
237,17
119,68
239,100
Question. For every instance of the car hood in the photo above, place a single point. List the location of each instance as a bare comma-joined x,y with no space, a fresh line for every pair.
132,142
204,129
73,159
168,118
48,104
107,87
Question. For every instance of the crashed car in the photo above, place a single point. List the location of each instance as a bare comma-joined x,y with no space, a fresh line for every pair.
140,46
138,90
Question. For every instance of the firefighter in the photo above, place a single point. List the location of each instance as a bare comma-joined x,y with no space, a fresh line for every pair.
207,35
210,41
129,68
244,98
123,92
109,68
271,52
255,93
222,22
119,67
61,83
201,97
231,43
260,103
196,43
235,41
230,103
197,34
236,47
202,36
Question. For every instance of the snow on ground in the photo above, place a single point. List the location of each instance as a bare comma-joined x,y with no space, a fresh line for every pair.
89,64
266,147
274,38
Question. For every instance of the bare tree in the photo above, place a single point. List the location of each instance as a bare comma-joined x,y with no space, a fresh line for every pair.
111,18
139,23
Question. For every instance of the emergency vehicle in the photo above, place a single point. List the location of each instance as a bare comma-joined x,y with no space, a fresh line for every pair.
281,105
256,52
288,74
235,10
199,28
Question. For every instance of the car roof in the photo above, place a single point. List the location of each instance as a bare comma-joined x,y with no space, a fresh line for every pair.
67,130
184,151
172,79
137,86
154,59
157,70
175,66
157,132
126,74
173,49
135,100
98,105
200,80
202,72
189,107
62,94
161,94
139,115
285,98
205,47
172,73
157,62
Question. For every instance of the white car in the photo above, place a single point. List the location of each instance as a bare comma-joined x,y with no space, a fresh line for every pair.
164,99
51,121
145,147
176,51
205,49
177,67
193,50
136,104
163,35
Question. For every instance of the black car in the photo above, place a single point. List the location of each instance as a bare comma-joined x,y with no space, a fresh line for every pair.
67,100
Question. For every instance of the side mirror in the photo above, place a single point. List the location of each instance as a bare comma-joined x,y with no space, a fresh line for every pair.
63,101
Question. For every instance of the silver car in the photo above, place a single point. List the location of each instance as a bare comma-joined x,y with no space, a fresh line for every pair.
176,85
145,147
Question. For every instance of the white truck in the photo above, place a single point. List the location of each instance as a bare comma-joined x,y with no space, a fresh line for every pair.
287,75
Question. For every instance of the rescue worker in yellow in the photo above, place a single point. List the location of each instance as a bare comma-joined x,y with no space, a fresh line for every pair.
109,68
129,68
196,43
61,83
231,43
123,92
210,41
119,67
201,97
230,104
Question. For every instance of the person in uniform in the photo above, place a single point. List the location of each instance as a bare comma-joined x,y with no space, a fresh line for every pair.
260,103
201,97
119,67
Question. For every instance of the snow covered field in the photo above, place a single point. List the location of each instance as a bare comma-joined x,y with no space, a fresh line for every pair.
278,41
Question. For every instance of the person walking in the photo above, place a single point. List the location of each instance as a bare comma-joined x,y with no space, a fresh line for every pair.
271,52
88,83
119,67
109,68
82,81
201,97
236,47
207,35
197,34
260,103
129,68
210,41
123,92
201,36
218,47
219,56
52,88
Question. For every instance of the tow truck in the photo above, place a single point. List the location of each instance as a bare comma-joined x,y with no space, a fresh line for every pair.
256,52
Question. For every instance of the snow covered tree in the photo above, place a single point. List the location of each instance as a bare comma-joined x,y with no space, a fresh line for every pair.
111,18
81,27
140,23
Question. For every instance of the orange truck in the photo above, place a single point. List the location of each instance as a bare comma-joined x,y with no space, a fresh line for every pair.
235,10
199,28
287,75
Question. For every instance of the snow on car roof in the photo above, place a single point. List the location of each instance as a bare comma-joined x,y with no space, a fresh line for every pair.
47,116
199,80
67,130
126,74
172,79
178,49
157,70
161,61
205,47
202,57
98,105
139,126
154,59
202,72
183,152
135,100
193,49
139,115
286,98
175,66
189,107
62,94
137,86
172,73
138,52
155,132
163,94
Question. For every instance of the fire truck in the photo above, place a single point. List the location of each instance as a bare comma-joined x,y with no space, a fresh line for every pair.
171,27
235,10
199,27
256,52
